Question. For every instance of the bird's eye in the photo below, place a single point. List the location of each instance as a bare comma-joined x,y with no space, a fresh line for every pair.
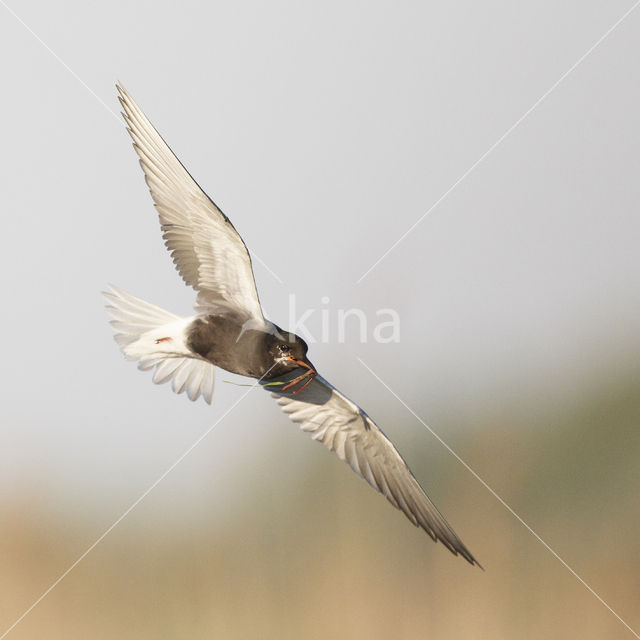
284,348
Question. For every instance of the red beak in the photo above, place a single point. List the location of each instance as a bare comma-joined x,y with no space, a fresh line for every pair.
302,363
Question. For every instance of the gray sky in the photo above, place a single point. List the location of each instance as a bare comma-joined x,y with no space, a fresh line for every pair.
324,131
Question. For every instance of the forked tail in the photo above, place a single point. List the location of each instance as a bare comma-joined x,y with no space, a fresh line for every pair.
156,338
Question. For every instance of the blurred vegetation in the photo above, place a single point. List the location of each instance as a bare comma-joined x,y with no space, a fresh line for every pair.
314,553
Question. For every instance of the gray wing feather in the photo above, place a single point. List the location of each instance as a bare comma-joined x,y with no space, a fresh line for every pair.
342,427
206,249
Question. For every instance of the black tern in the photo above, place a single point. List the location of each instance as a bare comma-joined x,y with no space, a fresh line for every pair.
229,331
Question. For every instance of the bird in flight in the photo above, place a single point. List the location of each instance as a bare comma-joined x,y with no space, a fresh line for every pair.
229,331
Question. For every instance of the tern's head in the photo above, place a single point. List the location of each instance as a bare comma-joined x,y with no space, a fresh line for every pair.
289,350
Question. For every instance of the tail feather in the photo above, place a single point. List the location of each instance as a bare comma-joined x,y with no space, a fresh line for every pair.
156,338
165,370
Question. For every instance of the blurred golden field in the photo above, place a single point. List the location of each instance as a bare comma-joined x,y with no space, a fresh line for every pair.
312,552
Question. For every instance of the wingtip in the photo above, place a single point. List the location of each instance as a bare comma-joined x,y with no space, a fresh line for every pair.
126,102
464,553
470,559
456,547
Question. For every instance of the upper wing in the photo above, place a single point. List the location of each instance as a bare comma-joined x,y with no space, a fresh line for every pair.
339,424
208,252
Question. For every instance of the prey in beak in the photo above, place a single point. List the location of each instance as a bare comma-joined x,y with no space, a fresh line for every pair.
307,376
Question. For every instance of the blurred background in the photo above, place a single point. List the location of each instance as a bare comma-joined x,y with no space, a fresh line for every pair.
324,131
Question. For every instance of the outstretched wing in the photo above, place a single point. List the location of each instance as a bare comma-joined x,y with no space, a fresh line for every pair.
206,249
332,419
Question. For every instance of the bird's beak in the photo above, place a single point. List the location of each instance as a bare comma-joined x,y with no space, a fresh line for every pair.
303,363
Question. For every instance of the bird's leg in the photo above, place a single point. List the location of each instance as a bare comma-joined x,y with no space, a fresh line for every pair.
159,340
